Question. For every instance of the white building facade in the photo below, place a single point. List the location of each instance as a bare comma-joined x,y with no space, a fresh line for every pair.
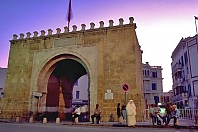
185,73
2,81
152,83
80,91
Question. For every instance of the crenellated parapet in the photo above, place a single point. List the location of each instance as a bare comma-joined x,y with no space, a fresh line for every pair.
74,29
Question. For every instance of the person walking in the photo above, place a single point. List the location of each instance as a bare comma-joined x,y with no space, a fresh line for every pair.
131,113
123,111
119,113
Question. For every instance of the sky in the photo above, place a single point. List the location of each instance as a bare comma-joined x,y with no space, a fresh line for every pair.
160,23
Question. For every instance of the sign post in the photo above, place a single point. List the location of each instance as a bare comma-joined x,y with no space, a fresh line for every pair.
125,88
37,94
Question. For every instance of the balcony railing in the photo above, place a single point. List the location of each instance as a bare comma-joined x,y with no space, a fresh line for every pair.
177,67
178,97
147,91
178,82
147,77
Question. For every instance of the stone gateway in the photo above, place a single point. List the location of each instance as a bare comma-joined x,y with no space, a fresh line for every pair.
43,69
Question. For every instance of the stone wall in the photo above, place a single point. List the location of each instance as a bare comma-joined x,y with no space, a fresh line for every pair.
112,56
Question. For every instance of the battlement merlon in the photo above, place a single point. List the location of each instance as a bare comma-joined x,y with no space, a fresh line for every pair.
66,29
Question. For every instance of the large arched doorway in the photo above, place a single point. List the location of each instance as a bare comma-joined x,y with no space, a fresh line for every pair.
60,75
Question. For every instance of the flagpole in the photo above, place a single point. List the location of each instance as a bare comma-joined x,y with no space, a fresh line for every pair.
68,25
69,14
196,23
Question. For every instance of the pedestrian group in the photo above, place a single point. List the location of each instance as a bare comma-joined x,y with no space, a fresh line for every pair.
127,114
171,112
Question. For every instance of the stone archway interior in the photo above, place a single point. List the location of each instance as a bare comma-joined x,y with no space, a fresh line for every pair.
60,87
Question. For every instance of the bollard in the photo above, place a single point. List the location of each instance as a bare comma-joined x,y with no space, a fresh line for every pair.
31,119
76,120
57,120
17,119
44,120
151,121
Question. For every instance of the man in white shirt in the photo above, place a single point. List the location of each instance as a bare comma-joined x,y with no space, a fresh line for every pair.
76,113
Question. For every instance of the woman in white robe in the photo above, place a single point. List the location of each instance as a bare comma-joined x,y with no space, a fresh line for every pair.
131,113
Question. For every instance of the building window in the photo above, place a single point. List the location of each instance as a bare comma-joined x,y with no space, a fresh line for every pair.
181,90
183,75
182,61
167,99
77,94
143,72
154,74
156,98
148,72
179,62
187,70
175,92
76,83
185,57
154,86
189,90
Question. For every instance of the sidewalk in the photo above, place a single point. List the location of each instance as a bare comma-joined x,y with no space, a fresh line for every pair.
183,124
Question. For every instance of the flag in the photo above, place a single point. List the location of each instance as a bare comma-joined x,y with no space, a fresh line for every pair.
196,18
69,15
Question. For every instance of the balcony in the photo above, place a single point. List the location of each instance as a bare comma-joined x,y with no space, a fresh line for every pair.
177,67
178,97
178,82
147,77
147,91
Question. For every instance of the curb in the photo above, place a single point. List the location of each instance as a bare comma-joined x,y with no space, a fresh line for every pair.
138,126
5,121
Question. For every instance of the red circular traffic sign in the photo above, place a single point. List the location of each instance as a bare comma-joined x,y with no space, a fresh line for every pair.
125,87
